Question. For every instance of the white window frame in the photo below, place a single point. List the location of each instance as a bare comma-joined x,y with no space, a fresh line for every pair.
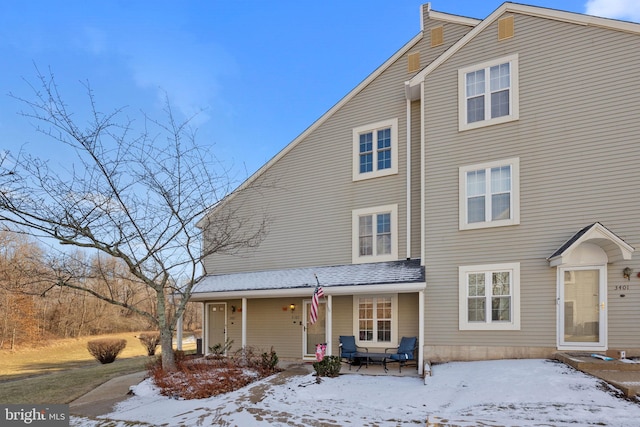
394,321
374,127
464,223
514,98
488,325
355,227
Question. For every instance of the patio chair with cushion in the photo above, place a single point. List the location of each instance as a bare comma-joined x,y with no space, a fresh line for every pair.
349,349
404,353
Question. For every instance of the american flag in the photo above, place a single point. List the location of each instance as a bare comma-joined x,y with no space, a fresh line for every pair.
315,300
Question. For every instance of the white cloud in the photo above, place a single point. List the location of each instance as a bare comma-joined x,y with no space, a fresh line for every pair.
618,9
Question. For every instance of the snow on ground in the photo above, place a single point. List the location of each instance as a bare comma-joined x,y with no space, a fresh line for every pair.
505,392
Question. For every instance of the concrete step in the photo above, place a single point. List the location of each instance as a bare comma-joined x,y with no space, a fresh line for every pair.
622,374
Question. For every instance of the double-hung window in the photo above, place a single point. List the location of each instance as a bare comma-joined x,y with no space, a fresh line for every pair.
488,93
375,319
490,194
375,150
489,297
375,234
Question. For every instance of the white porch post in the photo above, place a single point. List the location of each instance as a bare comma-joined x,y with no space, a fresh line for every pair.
244,322
329,324
421,332
179,334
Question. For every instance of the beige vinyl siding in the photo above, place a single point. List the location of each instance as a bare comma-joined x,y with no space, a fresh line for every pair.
342,317
577,141
268,325
309,194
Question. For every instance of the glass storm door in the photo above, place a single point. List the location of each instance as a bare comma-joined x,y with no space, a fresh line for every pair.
314,333
582,314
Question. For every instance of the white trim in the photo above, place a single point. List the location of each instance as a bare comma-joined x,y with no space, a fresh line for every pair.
355,228
602,344
515,194
394,321
373,127
302,292
599,235
463,322
514,99
244,322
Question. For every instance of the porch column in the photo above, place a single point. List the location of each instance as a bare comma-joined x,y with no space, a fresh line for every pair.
179,333
244,322
329,324
421,332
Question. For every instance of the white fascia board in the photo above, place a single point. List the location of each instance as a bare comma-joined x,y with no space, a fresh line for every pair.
308,292
454,19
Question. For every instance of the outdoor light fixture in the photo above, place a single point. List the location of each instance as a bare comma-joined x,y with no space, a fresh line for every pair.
292,307
626,273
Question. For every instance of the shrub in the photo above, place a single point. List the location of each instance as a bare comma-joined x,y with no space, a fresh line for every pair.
269,362
150,341
106,350
328,367
219,349
202,377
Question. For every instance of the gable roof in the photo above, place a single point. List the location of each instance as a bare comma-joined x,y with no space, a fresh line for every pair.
412,87
396,276
615,248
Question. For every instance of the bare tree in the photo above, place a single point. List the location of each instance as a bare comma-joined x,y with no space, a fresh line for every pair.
132,193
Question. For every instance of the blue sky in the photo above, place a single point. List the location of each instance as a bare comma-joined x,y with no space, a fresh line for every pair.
261,71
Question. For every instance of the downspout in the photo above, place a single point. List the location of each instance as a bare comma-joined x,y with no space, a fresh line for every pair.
422,176
421,298
408,179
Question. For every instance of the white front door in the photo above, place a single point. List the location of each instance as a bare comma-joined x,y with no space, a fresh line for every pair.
313,333
582,307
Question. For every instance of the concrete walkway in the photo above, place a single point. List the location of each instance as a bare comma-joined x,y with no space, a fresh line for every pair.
102,399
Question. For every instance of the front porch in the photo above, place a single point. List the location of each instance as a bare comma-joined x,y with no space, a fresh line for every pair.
377,303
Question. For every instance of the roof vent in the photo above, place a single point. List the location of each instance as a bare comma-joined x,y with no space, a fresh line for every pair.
437,36
505,28
413,60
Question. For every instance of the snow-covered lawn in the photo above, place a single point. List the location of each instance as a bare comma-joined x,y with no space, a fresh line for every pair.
505,392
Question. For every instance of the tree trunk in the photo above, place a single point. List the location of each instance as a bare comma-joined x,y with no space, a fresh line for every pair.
166,334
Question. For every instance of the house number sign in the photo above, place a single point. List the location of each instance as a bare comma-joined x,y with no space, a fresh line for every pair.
622,287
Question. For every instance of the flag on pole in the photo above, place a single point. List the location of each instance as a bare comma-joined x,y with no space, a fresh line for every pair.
315,301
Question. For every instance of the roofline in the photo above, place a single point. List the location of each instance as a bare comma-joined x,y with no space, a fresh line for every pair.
454,19
384,288
315,125
412,87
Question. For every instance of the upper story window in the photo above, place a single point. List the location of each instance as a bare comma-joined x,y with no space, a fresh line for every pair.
488,93
489,297
490,194
375,234
375,150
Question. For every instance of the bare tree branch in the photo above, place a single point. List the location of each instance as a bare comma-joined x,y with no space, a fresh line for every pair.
133,194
